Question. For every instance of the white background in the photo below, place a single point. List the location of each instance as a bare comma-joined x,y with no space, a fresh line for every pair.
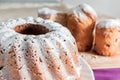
105,7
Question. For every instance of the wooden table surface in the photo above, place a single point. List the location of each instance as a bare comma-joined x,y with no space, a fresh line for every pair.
97,61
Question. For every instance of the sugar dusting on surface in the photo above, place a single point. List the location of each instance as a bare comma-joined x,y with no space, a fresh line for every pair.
81,10
89,9
107,23
46,11
19,43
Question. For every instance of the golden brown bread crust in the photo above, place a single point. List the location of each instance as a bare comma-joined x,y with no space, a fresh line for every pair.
60,18
82,31
106,41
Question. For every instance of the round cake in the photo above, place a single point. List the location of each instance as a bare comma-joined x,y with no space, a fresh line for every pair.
37,49
107,37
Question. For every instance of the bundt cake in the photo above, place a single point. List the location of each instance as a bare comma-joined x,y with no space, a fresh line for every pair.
107,37
54,15
80,22
37,49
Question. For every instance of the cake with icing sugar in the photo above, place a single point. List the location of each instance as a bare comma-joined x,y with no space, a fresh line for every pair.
47,11
54,15
107,37
80,22
36,49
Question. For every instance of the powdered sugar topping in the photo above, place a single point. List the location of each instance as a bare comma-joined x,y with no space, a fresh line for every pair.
88,9
82,10
107,23
46,11
31,53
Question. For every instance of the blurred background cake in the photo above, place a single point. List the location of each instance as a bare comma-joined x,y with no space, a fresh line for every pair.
107,37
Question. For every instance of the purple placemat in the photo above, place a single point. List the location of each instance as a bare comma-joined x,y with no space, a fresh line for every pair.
107,74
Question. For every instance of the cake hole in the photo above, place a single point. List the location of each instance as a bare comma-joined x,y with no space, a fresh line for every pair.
1,67
31,29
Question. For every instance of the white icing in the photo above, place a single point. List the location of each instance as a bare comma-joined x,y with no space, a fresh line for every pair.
107,23
20,44
88,9
46,11
81,10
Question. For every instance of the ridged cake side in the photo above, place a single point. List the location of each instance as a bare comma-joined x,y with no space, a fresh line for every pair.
52,56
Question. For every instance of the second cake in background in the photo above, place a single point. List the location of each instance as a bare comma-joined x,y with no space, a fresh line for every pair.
107,37
80,22
54,15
